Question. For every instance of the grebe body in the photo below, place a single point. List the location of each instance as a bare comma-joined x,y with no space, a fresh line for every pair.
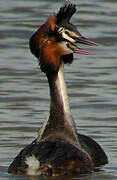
58,149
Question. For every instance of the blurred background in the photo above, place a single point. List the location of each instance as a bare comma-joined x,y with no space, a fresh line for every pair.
91,80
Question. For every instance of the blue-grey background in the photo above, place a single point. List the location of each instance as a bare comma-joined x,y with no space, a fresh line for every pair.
91,80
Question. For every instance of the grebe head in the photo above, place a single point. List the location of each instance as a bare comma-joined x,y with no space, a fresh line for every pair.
55,41
66,28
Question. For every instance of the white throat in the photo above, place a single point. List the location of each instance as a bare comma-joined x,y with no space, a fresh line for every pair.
68,122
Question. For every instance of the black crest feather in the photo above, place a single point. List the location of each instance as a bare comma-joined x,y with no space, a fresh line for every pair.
65,13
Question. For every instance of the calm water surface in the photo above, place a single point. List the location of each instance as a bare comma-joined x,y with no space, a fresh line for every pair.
91,80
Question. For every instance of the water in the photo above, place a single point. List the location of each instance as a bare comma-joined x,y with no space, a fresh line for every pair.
91,80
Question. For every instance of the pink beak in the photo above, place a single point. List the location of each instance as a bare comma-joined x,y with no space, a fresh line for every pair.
80,39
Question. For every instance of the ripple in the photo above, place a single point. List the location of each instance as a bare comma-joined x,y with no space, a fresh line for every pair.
91,80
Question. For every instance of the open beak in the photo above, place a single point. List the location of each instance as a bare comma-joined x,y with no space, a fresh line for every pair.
83,40
75,37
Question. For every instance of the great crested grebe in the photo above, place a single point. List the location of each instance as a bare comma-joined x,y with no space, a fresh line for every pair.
58,149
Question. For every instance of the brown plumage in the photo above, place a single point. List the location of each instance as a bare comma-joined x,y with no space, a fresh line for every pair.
58,149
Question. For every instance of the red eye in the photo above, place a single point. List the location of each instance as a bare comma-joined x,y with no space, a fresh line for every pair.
66,32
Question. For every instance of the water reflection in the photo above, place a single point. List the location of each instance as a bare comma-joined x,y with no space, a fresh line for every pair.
91,80
96,176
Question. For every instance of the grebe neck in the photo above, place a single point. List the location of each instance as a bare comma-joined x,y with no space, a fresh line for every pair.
60,121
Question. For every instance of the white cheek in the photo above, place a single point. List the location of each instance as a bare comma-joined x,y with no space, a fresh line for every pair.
64,35
66,49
